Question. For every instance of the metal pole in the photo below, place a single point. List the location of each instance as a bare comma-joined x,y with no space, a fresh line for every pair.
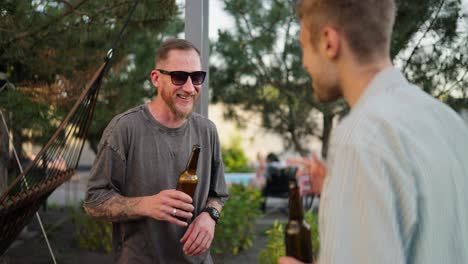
196,31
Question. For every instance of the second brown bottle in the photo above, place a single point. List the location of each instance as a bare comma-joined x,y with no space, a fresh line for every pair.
297,231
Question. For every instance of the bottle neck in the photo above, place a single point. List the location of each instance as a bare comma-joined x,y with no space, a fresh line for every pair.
295,204
193,160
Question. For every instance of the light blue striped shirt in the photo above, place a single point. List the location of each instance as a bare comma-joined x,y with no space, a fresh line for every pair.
397,184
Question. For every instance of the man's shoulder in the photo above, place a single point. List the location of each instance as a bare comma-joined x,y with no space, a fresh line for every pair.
128,116
123,121
202,121
356,125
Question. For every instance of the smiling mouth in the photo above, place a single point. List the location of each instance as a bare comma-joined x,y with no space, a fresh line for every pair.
185,97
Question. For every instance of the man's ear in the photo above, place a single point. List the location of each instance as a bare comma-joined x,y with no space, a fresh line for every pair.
330,42
154,77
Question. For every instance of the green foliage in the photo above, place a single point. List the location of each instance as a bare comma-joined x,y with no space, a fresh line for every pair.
235,231
234,157
259,69
435,58
312,219
25,113
92,234
275,246
51,48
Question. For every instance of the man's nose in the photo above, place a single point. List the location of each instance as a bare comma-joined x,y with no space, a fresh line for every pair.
188,86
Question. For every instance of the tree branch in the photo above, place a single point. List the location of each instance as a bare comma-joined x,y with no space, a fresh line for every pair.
261,65
408,60
284,55
107,8
446,91
66,3
58,18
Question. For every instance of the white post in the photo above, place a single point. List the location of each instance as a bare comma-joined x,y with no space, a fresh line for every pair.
196,31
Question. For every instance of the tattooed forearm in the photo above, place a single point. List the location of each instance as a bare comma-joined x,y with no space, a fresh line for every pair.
214,202
116,209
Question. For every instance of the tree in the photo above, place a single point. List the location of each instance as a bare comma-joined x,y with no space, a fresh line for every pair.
50,49
435,55
257,66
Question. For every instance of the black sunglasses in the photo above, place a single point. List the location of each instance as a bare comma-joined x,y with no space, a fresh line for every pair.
180,77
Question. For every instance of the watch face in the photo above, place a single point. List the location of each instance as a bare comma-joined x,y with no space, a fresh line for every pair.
215,213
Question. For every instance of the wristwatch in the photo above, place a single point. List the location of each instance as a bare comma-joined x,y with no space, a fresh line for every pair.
213,212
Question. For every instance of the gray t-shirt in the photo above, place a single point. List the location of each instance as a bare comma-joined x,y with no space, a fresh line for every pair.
138,156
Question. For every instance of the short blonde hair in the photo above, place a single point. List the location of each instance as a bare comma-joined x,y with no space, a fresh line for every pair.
366,24
173,44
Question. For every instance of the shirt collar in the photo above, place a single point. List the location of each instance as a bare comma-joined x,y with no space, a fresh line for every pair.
384,80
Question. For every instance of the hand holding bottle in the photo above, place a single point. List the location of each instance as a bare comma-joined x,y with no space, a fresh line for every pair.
315,169
168,205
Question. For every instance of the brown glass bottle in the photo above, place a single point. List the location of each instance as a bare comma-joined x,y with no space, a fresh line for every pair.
297,231
188,179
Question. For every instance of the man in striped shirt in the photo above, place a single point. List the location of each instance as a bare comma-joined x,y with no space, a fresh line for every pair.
397,175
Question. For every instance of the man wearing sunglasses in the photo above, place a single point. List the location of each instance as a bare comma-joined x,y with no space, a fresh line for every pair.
141,154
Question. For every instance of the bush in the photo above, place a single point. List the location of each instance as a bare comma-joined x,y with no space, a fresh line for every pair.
92,234
234,157
235,231
275,247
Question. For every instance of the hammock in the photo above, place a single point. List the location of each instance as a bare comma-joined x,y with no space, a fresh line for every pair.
55,163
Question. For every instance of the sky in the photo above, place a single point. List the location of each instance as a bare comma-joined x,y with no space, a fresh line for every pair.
220,20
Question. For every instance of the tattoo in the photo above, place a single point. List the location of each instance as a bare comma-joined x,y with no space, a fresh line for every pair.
215,202
116,209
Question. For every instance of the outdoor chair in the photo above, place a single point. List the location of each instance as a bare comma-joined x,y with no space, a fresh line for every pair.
277,183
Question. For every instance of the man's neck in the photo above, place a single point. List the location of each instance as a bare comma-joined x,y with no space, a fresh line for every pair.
356,77
161,112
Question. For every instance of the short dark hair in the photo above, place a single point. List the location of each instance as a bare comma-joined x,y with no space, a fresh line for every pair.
173,44
366,24
271,157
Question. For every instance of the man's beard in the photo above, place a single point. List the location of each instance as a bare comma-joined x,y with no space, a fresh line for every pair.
326,94
169,99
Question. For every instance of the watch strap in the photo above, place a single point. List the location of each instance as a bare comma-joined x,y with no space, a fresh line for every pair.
213,212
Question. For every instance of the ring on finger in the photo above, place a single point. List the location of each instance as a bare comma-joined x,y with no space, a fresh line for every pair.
174,211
